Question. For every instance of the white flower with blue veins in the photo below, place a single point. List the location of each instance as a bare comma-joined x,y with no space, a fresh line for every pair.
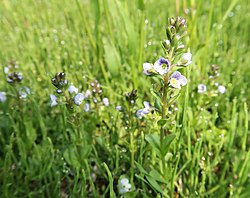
79,98
161,66
177,80
124,186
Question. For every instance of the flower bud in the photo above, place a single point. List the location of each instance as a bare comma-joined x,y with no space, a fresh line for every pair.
185,60
171,21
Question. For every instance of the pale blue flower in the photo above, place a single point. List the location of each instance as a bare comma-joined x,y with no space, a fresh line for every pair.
72,89
2,96
118,108
86,107
124,186
202,88
79,98
53,100
142,112
177,80
105,101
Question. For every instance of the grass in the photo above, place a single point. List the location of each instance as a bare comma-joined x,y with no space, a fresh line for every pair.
56,152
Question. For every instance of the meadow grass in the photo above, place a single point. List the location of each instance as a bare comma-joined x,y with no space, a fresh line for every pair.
59,152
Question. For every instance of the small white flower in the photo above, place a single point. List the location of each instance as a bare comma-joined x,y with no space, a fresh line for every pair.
118,108
146,68
86,107
105,101
24,92
124,186
78,99
186,59
221,89
53,101
6,70
72,89
202,88
2,96
87,94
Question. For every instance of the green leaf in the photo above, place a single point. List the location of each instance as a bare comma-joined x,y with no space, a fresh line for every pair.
142,170
157,176
141,178
154,141
131,194
111,190
154,184
71,157
157,97
162,122
166,143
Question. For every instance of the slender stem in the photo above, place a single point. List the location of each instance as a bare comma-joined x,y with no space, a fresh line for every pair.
132,156
164,104
163,115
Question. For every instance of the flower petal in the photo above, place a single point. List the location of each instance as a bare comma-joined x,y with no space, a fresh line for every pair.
146,68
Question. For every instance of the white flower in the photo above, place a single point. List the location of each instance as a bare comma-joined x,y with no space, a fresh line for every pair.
6,70
72,89
24,92
105,101
53,101
186,59
202,88
161,66
2,96
86,107
146,68
222,89
124,186
78,99
87,94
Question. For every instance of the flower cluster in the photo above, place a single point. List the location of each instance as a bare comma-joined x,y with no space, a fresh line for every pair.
60,82
15,78
175,56
72,95
213,75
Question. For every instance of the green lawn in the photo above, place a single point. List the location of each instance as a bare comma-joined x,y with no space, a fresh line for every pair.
62,149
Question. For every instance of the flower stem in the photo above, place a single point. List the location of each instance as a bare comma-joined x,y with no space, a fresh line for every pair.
163,116
132,156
